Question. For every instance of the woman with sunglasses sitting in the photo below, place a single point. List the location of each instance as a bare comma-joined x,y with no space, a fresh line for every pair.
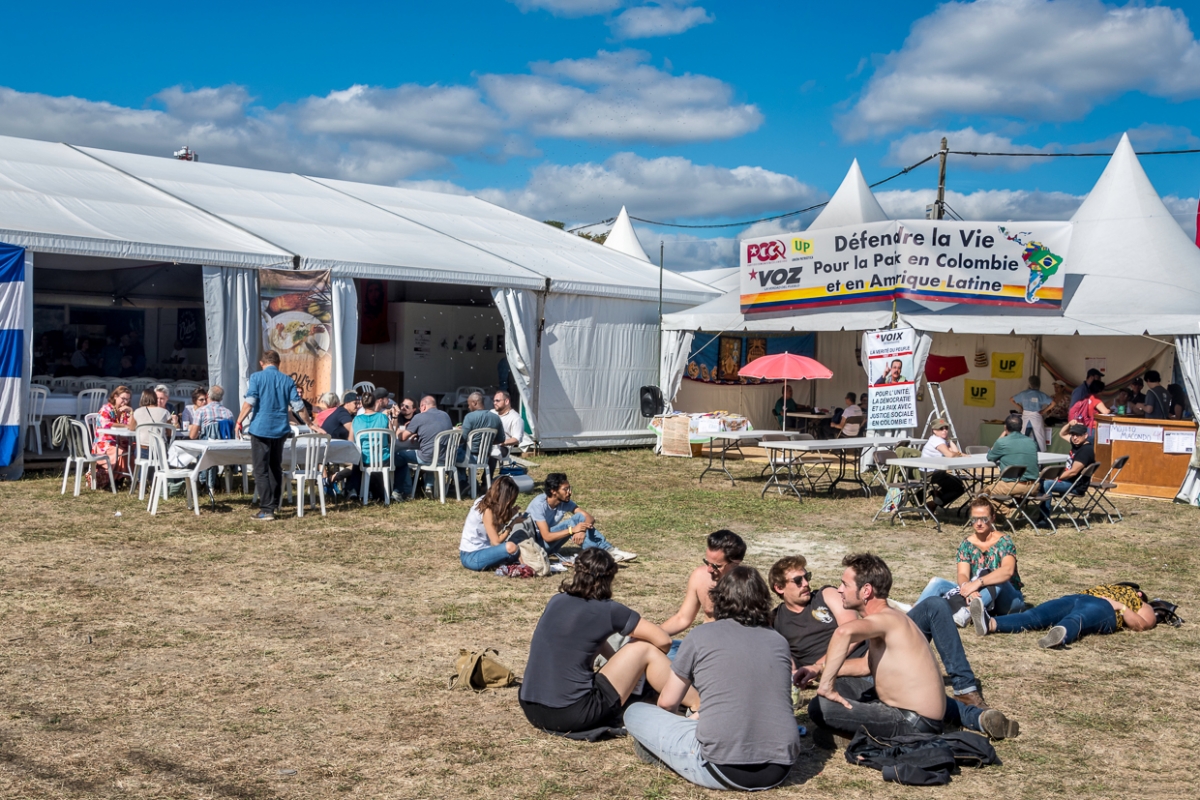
987,569
560,692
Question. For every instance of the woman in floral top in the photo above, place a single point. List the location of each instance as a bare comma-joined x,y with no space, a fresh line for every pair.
985,548
115,412
1098,610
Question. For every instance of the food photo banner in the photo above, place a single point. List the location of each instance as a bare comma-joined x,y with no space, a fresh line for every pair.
297,313
892,393
928,261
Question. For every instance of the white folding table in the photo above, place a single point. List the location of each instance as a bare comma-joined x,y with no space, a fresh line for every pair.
729,440
840,447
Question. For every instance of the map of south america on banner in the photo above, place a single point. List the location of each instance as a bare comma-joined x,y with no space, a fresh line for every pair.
891,374
1011,264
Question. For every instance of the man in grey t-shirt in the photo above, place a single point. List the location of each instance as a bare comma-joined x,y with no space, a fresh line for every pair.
424,428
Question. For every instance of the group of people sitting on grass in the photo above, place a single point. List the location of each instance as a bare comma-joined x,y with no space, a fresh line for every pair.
724,717
495,527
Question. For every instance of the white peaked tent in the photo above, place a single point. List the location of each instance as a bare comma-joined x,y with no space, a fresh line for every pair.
623,238
722,279
851,204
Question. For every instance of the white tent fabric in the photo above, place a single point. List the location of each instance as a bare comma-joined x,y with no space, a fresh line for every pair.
852,203
233,329
723,279
1187,354
55,199
344,344
676,346
521,311
573,264
623,238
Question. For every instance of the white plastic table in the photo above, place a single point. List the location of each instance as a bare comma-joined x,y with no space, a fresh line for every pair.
729,440
841,447
207,453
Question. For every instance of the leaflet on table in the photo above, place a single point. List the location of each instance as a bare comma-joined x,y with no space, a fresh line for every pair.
892,392
929,261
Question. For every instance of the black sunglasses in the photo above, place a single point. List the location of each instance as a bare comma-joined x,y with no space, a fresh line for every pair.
800,580
713,567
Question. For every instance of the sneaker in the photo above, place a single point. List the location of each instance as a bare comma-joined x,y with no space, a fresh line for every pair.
398,496
998,726
974,698
621,555
264,516
641,751
962,617
980,617
1053,638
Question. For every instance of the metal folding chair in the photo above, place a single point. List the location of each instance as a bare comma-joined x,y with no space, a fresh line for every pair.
1074,503
1011,502
911,490
1036,496
1098,492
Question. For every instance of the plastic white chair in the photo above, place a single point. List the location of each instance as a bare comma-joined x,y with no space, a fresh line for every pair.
445,452
44,380
79,455
92,423
181,388
371,444
89,401
363,385
35,414
479,441
309,451
164,473
142,464
93,383
61,385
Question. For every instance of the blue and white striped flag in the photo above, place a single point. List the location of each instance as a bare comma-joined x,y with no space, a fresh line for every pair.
12,350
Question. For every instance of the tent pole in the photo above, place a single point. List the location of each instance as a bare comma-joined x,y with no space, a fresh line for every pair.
542,296
661,263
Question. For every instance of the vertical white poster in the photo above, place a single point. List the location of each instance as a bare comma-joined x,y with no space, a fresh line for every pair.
892,394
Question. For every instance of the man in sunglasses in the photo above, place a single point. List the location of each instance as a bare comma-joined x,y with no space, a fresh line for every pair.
807,618
725,550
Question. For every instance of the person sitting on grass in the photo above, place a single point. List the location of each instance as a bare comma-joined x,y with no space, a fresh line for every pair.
745,739
483,544
1098,610
987,568
725,550
560,692
558,520
896,689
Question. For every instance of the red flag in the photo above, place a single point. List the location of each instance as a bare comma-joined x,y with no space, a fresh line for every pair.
943,368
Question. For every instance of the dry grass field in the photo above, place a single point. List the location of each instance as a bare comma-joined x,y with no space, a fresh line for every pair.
217,657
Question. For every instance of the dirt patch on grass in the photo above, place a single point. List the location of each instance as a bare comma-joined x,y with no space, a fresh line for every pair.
216,657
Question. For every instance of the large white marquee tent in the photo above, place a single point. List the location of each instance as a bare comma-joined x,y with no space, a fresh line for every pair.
581,321
1132,295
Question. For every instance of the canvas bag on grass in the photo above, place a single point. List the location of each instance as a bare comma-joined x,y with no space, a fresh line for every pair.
533,556
480,671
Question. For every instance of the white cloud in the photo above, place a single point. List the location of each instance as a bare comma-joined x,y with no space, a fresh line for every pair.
685,253
1027,59
661,19
618,97
912,148
991,204
569,8
664,189
1183,209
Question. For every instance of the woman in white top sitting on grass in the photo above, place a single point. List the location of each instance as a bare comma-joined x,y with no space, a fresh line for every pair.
483,544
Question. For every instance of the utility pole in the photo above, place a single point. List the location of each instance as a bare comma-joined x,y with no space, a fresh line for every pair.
941,199
661,263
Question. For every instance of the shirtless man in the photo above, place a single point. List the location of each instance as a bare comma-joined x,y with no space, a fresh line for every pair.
896,689
725,551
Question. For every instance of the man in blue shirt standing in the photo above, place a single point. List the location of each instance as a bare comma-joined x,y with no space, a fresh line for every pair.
1034,403
269,395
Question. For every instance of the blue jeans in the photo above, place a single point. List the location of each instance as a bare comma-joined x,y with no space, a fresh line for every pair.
673,739
1058,487
936,621
1080,614
402,459
487,557
1000,599
593,538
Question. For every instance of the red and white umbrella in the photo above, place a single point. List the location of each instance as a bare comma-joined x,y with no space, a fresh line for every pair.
785,367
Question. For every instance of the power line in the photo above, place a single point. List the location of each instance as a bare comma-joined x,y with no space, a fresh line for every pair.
1069,155
904,171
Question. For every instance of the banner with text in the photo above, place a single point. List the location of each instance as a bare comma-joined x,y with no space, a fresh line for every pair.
929,261
297,313
892,394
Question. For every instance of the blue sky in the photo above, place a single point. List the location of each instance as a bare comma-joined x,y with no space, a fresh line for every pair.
698,112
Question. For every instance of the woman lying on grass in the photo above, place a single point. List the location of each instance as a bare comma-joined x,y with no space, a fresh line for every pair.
560,692
745,738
